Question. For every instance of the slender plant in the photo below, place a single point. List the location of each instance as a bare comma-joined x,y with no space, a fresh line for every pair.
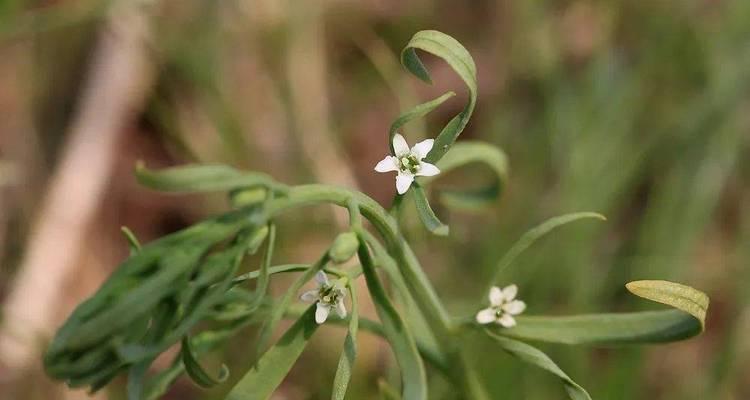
185,287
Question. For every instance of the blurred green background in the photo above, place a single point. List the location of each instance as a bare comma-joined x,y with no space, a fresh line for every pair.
638,110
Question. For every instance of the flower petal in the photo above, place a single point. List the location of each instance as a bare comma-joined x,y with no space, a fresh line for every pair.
389,163
427,169
321,278
309,296
341,309
507,321
496,296
515,307
422,148
321,313
486,316
400,147
510,292
403,181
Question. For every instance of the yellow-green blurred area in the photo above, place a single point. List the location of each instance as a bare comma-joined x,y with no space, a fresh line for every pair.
639,110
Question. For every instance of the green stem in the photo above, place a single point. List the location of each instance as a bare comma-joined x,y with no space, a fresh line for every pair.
469,377
422,291
424,294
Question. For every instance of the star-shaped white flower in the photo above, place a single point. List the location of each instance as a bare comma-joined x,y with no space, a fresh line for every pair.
328,296
408,162
503,306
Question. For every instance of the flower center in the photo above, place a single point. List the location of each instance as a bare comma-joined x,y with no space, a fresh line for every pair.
409,163
329,294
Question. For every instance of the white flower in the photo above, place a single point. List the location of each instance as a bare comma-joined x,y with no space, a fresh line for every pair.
327,296
408,162
503,307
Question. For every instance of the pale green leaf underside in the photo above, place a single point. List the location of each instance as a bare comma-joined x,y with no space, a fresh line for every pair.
681,297
537,358
459,59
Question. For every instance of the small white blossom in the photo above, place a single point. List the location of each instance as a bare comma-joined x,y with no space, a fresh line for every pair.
503,306
408,162
328,296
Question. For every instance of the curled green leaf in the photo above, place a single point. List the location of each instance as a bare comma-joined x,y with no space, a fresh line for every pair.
469,152
459,59
196,371
531,355
418,111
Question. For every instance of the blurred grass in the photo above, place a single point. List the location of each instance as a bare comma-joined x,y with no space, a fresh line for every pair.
635,110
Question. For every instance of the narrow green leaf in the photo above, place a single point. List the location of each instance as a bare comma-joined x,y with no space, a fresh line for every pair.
535,234
156,386
426,215
263,273
148,304
425,338
279,269
537,358
468,152
413,376
136,377
673,294
199,178
609,329
349,353
277,313
417,112
135,246
459,59
387,392
270,370
196,372
686,321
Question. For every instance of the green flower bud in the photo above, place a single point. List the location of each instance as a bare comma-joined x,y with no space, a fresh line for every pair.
248,197
344,247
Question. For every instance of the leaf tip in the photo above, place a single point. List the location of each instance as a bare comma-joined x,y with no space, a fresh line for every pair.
140,165
442,230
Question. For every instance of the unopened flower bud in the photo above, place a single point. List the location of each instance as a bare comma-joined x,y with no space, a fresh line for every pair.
344,247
